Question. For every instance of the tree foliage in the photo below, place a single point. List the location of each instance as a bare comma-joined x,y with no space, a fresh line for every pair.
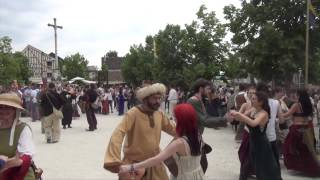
138,63
177,55
5,44
269,38
75,66
112,54
13,66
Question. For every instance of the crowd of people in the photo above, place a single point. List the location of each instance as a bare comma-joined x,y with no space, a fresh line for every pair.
271,125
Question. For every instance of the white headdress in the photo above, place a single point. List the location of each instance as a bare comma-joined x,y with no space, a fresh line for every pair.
148,90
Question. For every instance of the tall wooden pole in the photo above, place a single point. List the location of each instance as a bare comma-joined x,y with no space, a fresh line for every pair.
55,27
307,46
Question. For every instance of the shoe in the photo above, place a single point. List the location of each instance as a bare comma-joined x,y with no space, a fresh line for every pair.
48,140
54,142
89,129
69,126
64,127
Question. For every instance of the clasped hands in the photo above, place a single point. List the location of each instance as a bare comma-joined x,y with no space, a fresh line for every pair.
3,162
129,172
233,115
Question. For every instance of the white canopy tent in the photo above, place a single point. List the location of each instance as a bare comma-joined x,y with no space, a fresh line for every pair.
82,80
77,78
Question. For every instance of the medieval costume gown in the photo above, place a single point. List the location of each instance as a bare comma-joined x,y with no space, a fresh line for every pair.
299,152
121,100
66,108
261,155
105,105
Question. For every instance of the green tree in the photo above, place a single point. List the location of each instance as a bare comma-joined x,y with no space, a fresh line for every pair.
75,65
168,67
198,50
234,68
112,54
269,40
205,45
9,69
5,44
177,55
13,66
138,63
24,71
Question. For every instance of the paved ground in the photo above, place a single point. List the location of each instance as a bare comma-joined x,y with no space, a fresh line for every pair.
79,155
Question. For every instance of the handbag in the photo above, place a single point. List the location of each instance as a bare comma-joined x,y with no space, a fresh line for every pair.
95,104
37,171
205,149
57,113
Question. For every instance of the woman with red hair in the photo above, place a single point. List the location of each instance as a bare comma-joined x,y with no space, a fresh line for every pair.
185,149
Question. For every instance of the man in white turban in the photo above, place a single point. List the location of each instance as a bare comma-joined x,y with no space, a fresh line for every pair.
141,127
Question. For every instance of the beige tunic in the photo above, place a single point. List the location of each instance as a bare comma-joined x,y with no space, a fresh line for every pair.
141,142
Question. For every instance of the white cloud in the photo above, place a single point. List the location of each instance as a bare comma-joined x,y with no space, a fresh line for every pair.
93,27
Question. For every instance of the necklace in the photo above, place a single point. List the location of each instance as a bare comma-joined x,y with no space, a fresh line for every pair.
255,112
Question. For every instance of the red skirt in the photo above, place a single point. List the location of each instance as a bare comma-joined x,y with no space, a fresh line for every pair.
246,166
17,173
299,153
105,107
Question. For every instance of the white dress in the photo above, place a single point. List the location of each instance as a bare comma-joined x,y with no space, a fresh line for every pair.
189,167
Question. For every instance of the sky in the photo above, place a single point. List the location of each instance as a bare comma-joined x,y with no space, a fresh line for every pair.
94,27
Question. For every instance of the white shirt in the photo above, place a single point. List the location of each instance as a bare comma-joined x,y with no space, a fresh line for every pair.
271,127
27,94
111,90
34,93
25,143
109,96
173,95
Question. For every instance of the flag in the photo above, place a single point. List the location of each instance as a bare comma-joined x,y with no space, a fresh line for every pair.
313,9
312,14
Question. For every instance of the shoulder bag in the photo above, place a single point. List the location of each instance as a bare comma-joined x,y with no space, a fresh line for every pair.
55,112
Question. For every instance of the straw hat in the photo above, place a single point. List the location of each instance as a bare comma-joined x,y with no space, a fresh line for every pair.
12,100
149,90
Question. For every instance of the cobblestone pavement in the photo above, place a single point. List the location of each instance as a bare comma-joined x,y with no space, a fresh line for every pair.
79,155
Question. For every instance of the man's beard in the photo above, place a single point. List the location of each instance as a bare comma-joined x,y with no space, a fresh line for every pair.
154,106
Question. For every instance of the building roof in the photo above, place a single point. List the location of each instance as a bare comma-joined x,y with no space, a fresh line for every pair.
35,49
53,56
29,47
